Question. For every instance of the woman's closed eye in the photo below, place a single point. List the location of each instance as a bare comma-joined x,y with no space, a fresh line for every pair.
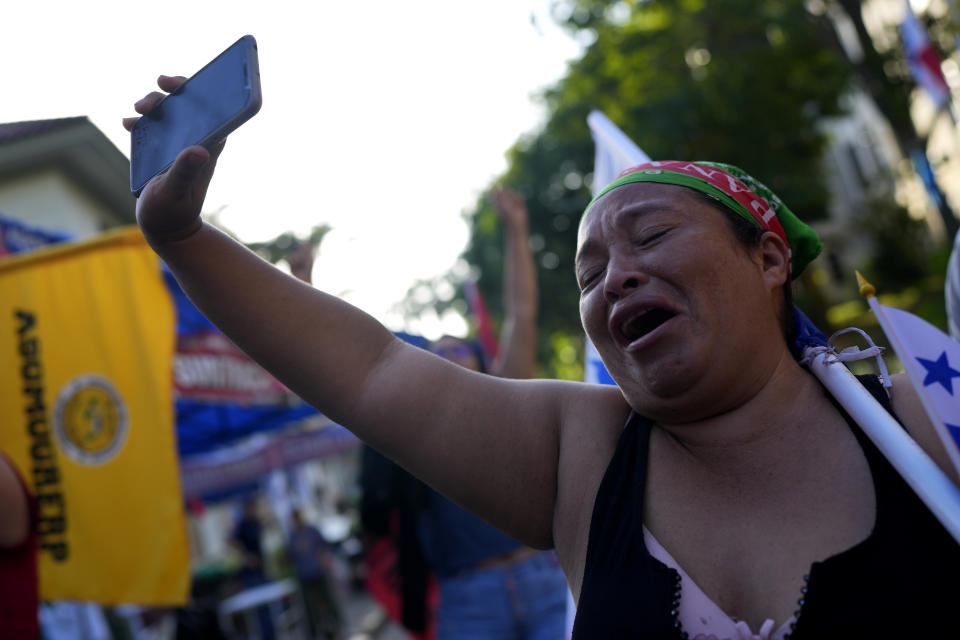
650,238
588,277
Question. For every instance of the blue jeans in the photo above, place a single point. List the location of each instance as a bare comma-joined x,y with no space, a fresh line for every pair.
525,600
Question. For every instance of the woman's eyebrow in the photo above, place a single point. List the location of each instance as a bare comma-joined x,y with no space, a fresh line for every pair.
630,211
647,208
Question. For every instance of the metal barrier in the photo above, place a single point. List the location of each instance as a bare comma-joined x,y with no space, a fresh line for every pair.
282,599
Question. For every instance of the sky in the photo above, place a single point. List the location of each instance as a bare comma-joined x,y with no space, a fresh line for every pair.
385,120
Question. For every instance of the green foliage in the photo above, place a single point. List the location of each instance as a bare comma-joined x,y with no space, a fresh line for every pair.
901,245
740,81
565,358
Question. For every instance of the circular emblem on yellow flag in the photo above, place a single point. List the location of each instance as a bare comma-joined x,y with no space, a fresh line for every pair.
91,420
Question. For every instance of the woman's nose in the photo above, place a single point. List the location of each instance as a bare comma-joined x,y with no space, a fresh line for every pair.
622,278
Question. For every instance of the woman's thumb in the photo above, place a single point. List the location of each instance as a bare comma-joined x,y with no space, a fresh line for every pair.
185,171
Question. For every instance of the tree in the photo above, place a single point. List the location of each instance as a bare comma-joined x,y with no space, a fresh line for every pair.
299,251
742,81
277,249
883,71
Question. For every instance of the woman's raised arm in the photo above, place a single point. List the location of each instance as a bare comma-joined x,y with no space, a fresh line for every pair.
490,444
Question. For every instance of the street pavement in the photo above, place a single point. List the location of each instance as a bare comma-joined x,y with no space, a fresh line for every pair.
366,620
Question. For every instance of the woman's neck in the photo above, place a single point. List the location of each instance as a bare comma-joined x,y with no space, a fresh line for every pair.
774,427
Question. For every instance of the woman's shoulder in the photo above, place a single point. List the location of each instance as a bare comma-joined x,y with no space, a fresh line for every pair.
595,410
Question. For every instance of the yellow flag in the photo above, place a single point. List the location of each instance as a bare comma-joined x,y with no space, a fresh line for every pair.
87,335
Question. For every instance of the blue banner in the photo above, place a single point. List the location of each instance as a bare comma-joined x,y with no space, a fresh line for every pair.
16,236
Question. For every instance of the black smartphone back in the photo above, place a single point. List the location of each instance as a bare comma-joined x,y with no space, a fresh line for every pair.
203,110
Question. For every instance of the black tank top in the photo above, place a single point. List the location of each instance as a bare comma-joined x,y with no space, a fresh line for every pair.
903,581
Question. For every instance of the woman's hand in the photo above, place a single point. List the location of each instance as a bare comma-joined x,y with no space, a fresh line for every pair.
510,207
169,206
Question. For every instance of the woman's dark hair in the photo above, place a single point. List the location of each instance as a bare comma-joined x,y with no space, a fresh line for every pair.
749,235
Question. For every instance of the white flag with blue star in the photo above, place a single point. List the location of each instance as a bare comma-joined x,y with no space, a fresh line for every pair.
931,359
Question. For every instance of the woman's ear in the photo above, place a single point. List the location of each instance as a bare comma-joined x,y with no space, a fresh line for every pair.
776,259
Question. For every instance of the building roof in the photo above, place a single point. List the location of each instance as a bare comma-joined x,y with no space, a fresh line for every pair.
78,148
11,131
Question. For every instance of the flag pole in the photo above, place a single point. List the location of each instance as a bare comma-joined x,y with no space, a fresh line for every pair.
920,472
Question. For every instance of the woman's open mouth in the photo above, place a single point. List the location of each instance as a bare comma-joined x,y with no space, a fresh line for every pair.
644,323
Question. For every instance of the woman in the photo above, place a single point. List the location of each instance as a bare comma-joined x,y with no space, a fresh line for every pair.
742,472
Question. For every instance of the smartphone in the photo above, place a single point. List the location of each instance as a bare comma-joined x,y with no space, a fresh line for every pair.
203,110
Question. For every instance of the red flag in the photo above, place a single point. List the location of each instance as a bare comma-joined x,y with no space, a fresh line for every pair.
478,308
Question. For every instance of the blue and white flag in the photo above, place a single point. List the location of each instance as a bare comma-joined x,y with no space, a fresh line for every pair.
931,360
614,152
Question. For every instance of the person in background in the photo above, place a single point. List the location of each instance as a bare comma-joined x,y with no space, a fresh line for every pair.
19,592
490,585
493,587
395,572
312,563
247,539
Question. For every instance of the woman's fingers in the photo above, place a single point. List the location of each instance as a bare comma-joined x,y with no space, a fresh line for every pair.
170,83
146,104
143,106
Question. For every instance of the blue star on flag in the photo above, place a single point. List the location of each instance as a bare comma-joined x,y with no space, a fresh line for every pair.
954,431
939,370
